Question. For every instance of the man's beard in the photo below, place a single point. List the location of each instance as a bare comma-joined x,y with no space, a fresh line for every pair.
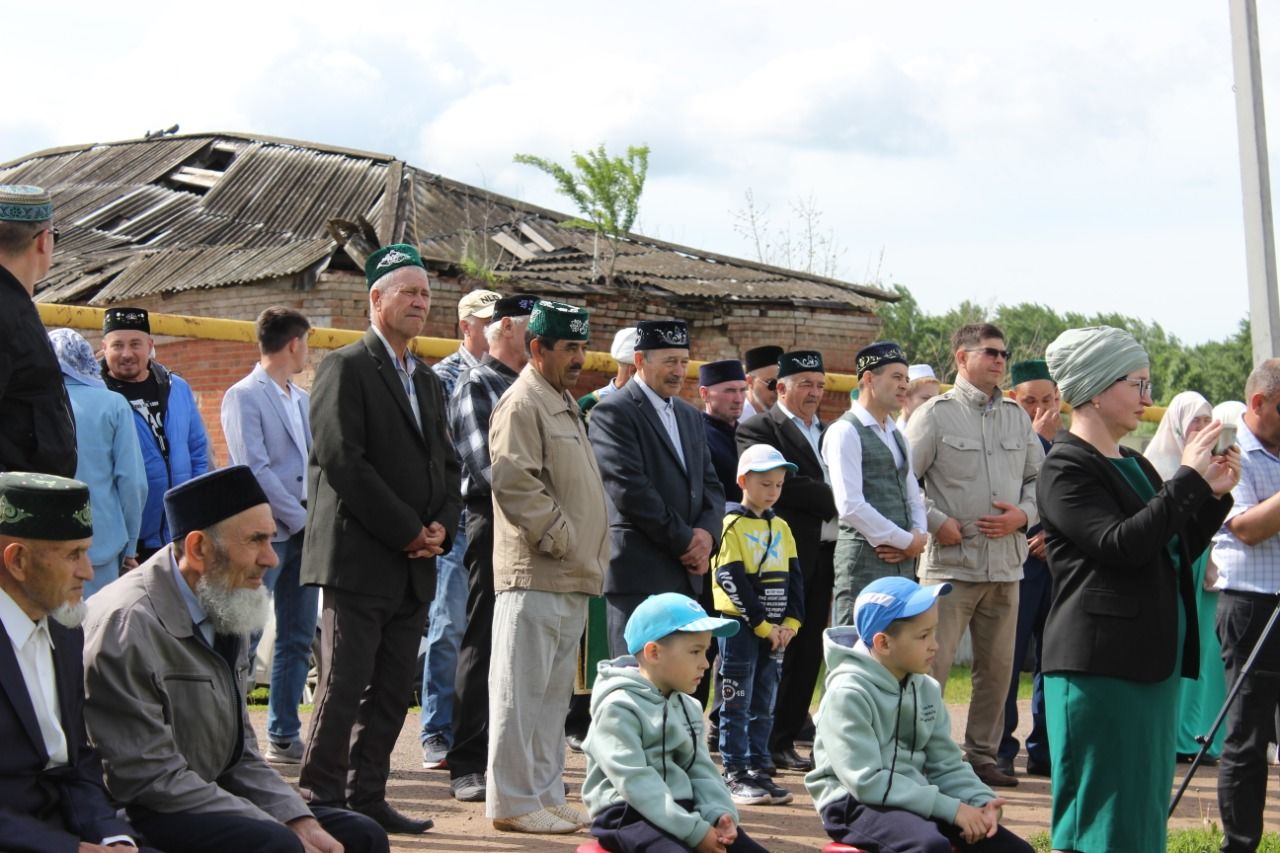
232,611
70,615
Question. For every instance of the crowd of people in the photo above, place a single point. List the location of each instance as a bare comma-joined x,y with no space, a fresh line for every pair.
738,546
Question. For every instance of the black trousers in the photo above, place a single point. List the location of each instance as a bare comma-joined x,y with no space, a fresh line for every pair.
470,751
218,833
890,830
803,658
619,610
368,659
1242,772
621,829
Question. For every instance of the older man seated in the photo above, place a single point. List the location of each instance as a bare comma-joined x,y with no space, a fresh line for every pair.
165,670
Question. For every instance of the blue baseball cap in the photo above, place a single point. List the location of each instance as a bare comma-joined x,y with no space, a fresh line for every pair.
886,600
660,615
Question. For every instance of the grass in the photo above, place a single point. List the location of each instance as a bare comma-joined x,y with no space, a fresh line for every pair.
1206,840
960,686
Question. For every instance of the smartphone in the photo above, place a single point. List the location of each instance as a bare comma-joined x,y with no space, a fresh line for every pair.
1226,438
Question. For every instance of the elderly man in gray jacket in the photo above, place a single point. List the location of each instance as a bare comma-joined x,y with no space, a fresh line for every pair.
979,458
166,662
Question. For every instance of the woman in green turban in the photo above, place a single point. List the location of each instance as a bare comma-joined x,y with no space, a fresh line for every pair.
1122,627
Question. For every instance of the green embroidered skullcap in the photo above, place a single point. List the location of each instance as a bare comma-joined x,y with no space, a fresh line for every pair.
1029,370
391,258
559,322
24,203
1086,362
42,506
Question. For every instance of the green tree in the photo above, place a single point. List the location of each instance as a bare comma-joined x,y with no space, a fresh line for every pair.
606,190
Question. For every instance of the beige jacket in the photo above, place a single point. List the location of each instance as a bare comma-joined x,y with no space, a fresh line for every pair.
970,450
551,527
165,711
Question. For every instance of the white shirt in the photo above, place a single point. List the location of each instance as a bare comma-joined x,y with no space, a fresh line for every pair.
813,434
843,453
1241,567
747,410
292,402
33,647
666,410
405,371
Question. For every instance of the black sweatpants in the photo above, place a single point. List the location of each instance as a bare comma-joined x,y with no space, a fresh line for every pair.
470,751
897,831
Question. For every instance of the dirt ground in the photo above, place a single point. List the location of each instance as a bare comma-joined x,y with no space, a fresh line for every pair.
462,827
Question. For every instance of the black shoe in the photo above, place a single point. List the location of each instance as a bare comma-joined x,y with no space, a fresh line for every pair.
789,759
391,820
1035,768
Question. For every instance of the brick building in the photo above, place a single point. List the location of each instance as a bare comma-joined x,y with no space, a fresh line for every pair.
224,225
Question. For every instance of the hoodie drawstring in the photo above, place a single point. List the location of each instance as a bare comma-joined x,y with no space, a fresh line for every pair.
897,723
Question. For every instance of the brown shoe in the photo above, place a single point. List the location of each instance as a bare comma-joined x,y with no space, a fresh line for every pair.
994,776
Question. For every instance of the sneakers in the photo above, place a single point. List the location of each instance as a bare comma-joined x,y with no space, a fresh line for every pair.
778,795
744,791
284,753
574,742
435,749
469,788
571,814
541,822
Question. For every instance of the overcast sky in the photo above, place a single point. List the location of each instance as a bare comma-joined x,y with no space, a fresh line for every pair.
1079,154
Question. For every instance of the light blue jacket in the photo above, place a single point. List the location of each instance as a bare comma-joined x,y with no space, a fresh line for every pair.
110,464
650,752
888,744
256,425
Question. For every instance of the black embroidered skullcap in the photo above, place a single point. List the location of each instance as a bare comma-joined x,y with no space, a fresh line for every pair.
42,506
715,372
879,354
126,319
520,305
758,357
800,361
662,334
200,503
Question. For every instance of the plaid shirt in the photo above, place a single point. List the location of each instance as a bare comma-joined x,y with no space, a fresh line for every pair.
1241,567
470,407
450,367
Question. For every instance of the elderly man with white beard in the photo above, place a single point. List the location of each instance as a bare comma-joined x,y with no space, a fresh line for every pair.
165,672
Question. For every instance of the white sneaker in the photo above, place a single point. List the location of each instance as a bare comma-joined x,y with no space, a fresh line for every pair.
541,822
569,813
284,753
434,752
1272,757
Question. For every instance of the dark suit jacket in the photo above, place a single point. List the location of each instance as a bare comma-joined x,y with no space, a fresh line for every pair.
374,480
1115,592
654,505
724,456
806,500
33,800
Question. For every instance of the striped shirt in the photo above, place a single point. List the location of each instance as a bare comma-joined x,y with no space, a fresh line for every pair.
470,408
1242,567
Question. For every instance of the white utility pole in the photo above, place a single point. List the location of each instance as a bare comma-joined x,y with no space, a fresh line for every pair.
1255,180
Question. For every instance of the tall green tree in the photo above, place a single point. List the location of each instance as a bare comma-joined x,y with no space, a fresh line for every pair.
606,190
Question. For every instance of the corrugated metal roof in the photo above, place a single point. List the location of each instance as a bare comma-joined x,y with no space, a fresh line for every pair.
170,214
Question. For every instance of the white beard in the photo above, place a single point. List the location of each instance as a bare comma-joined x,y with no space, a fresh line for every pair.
70,615
234,611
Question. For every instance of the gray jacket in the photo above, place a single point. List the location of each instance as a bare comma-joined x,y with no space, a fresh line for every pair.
970,449
165,711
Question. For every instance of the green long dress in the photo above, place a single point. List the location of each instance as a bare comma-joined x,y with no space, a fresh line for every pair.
1200,700
1111,744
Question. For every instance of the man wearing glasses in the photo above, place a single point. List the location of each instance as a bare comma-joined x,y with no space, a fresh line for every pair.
978,457
37,429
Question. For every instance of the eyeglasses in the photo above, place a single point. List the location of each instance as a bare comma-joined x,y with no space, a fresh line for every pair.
1144,386
992,352
772,384
54,233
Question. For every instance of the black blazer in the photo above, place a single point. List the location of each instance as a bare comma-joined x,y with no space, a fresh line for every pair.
654,504
374,480
806,501
33,800
1115,593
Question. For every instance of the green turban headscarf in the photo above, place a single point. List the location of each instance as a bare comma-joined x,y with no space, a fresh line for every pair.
1086,362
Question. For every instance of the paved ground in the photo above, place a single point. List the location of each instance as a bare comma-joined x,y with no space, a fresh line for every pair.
462,827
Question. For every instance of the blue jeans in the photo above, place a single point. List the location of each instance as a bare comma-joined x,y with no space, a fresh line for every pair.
296,611
1033,607
446,620
749,675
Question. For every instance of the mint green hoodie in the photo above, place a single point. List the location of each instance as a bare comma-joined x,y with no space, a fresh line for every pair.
885,743
649,751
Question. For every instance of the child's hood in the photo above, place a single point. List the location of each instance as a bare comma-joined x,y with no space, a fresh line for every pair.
846,654
624,674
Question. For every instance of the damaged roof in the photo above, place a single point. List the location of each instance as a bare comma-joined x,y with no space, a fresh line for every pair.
174,213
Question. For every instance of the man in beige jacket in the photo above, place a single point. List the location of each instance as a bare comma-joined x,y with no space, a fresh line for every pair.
550,547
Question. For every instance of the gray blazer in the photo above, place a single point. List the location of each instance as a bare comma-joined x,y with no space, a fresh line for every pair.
654,504
256,425
166,713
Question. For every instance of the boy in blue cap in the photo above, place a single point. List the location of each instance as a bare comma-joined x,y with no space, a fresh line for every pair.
887,773
651,784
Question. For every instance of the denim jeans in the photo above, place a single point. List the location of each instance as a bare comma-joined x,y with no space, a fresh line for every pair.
749,674
296,612
446,621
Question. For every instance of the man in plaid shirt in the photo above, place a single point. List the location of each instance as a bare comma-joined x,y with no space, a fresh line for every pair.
470,406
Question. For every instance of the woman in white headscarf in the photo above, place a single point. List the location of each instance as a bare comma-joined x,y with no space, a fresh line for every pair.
1122,627
1199,699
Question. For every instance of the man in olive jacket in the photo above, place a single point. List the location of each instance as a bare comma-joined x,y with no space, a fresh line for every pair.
384,502
550,549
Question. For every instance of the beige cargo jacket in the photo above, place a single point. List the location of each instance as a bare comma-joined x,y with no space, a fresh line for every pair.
551,524
971,449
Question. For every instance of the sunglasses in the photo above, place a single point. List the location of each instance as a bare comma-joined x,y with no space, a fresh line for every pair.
992,352
54,233
772,385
